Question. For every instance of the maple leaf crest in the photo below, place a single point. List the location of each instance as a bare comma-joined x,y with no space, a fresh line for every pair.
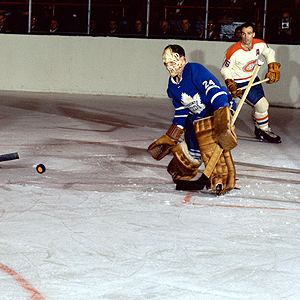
194,103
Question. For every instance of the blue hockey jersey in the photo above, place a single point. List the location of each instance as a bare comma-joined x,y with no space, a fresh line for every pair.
197,95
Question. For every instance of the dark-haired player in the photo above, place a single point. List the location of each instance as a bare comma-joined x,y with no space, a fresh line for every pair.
237,70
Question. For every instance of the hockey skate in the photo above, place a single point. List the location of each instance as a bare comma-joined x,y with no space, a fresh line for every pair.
267,135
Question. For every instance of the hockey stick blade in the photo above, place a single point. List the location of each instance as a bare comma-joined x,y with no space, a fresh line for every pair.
196,185
9,156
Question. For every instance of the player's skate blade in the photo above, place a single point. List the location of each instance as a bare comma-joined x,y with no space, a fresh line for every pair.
197,185
267,136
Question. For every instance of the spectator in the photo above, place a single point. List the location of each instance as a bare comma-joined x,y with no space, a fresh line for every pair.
237,34
285,31
113,27
164,28
138,28
35,24
186,29
54,26
3,24
213,32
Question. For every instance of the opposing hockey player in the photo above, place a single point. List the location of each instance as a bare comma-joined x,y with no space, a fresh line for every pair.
201,120
237,70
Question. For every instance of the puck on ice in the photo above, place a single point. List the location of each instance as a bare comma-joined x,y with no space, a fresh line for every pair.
40,168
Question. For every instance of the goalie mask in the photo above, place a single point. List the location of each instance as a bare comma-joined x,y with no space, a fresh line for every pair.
174,61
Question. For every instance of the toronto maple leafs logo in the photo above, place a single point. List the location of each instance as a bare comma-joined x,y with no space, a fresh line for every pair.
194,103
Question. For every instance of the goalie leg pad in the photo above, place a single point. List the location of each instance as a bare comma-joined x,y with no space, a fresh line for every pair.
182,166
224,174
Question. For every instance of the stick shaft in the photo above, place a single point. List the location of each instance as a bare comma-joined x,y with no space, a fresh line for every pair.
9,156
255,83
248,87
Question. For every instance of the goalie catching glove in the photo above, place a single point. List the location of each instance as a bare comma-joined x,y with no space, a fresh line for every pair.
162,146
273,72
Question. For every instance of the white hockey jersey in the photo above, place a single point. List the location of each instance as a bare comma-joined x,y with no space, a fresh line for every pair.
239,63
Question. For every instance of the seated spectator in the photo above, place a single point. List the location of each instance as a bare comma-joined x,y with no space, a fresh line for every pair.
113,27
285,30
186,29
54,26
35,26
138,28
3,24
213,32
237,34
164,28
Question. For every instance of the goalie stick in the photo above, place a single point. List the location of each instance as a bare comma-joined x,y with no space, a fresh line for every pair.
199,184
9,156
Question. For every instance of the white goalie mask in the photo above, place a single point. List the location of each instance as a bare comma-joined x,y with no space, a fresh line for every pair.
173,62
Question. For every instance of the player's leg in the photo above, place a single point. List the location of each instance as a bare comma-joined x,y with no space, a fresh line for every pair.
262,129
256,97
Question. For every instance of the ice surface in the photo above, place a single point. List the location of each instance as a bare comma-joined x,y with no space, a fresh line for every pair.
105,221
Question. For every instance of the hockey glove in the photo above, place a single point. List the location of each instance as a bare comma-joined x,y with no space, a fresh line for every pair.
273,72
231,86
162,146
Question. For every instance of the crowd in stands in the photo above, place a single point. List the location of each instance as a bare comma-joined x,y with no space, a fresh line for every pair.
178,19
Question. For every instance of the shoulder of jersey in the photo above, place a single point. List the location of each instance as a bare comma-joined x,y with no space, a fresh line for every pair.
190,66
232,49
194,65
257,41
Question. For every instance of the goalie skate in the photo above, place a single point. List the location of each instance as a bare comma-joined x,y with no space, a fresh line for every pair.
267,135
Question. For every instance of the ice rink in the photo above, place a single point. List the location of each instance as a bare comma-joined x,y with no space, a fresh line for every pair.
105,221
